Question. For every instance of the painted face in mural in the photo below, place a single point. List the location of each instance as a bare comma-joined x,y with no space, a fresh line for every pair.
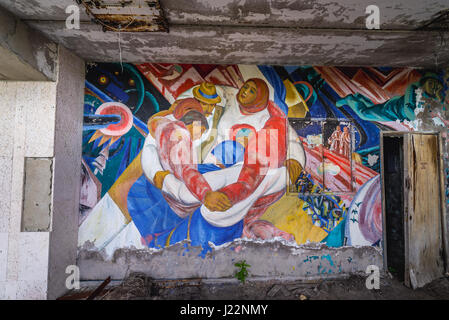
206,94
433,88
253,96
196,123
248,92
207,108
196,130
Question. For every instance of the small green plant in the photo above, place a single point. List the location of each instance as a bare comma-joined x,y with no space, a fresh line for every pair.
242,273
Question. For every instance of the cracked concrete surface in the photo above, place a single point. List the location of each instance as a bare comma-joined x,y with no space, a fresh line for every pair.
272,259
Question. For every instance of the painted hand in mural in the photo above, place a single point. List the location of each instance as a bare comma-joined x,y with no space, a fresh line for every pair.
294,169
217,201
159,177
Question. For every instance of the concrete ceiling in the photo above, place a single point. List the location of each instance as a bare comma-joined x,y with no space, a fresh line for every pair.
303,32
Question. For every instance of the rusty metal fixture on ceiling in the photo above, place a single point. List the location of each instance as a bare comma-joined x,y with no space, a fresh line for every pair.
127,15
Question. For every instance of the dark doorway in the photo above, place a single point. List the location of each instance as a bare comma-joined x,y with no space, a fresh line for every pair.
394,204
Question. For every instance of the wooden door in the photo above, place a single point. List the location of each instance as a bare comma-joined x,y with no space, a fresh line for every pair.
423,211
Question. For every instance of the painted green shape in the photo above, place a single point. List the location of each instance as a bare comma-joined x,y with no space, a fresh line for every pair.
336,237
397,108
310,258
109,176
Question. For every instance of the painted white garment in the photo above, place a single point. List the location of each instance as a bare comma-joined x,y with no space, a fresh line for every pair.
232,116
107,225
295,150
273,182
150,158
218,179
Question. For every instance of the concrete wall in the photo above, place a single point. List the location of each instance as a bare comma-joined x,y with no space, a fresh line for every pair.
268,260
40,120
27,128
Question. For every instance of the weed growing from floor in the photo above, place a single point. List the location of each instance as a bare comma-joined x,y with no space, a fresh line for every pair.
242,273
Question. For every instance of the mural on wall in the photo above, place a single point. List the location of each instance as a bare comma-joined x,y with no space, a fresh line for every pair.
213,153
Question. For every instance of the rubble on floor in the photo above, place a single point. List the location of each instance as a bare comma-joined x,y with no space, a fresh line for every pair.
138,286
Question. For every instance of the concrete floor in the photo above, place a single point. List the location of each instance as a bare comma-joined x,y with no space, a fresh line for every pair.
138,287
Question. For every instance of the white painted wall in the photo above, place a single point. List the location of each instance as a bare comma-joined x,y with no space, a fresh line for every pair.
27,124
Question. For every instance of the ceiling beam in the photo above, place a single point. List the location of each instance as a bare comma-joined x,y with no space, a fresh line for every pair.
249,45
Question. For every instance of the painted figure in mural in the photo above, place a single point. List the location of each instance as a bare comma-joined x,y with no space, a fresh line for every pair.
242,189
174,145
397,108
345,142
212,102
334,140
340,141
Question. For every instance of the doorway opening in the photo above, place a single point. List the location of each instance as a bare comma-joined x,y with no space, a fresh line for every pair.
393,150
413,211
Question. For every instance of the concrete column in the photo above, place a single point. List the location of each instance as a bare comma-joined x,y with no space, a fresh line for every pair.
67,170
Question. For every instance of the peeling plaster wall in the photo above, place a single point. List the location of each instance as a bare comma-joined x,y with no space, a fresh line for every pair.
397,14
26,53
273,259
315,32
248,45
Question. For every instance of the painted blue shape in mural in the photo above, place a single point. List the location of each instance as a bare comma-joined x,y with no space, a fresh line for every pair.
279,87
121,95
149,210
159,225
337,236
229,152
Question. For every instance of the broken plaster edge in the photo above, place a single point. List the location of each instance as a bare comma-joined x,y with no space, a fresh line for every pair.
88,248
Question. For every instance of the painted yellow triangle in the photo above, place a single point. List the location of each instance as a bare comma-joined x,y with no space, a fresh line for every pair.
96,135
104,139
114,139
295,102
